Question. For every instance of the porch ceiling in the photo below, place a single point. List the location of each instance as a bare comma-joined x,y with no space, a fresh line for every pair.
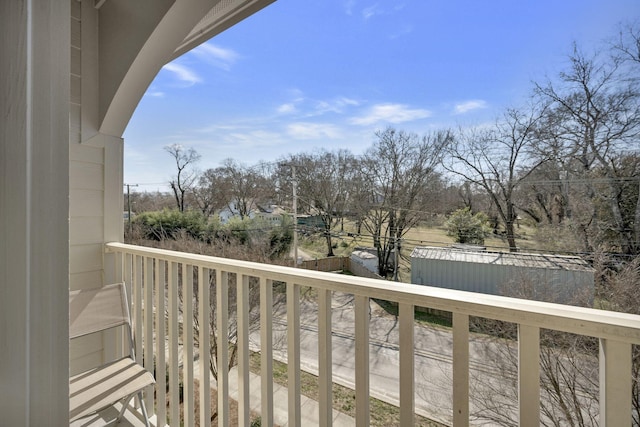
225,14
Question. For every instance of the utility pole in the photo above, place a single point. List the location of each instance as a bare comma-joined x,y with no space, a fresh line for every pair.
295,215
129,204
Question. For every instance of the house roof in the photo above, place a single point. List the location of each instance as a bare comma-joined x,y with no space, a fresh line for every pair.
517,259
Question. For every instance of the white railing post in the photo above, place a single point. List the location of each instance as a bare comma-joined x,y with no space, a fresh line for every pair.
137,307
362,360
293,353
528,375
204,342
187,345
160,334
407,364
148,330
174,378
325,364
242,282
266,351
222,326
615,383
460,369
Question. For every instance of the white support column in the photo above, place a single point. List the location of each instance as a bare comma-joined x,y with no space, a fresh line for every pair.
529,375
325,363
615,383
293,353
222,324
34,212
460,369
266,351
406,374
362,360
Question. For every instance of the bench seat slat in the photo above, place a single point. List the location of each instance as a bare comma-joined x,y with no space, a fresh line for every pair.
100,387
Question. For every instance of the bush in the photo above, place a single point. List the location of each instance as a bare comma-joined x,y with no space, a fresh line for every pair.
169,223
466,227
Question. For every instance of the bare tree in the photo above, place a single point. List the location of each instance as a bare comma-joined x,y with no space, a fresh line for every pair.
596,103
498,160
245,188
211,193
396,173
185,177
627,45
323,187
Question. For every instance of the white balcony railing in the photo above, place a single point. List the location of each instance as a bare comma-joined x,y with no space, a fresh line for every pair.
158,277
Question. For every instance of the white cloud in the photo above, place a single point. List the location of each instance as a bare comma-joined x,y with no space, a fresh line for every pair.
305,130
371,11
217,56
252,138
466,106
335,105
183,73
287,108
154,93
391,113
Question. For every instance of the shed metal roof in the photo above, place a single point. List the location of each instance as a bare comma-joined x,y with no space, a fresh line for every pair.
518,259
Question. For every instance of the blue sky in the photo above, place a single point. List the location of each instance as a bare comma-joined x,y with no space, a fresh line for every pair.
307,74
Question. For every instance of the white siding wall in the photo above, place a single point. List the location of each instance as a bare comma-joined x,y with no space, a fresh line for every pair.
95,177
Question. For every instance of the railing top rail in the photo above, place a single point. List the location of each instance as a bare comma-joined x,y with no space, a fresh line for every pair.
584,321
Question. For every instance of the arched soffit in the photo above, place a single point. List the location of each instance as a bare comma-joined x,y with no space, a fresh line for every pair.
137,38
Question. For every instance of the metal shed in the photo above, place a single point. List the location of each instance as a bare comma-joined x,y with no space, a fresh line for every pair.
541,277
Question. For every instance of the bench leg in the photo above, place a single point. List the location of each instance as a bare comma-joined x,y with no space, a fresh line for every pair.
125,403
144,409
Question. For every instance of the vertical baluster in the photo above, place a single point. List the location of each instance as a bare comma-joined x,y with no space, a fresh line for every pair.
406,374
205,345
266,351
293,353
187,344
615,383
325,362
460,369
529,375
243,350
174,380
362,360
161,367
148,329
137,307
222,325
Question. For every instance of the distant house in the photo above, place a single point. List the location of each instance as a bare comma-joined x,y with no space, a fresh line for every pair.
231,212
273,214
533,276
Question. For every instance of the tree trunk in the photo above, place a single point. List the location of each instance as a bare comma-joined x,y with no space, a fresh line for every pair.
327,234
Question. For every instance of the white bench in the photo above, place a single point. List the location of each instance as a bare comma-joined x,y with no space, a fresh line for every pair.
94,311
